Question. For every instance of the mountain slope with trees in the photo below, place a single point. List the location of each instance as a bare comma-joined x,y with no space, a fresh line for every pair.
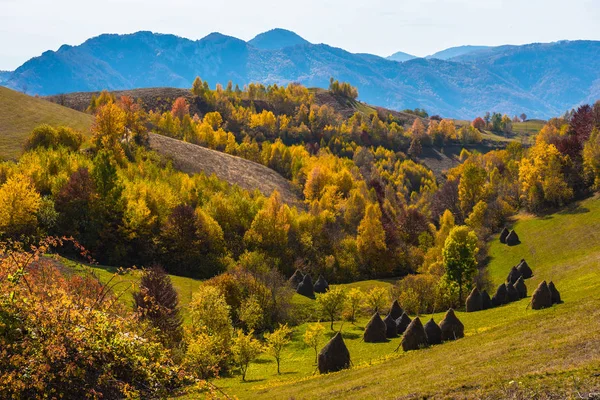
461,87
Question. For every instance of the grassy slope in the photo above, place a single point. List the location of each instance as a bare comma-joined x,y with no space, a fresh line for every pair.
556,348
20,113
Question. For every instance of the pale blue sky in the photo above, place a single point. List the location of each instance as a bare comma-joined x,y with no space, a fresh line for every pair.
419,27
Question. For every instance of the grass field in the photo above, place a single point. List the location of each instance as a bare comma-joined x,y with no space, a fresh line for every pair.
508,352
20,113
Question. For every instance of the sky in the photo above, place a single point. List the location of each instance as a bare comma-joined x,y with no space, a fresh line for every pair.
418,27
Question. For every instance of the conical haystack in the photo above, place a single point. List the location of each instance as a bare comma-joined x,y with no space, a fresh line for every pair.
486,301
415,337
403,323
296,279
500,297
321,285
511,293
512,239
305,288
391,329
503,235
555,294
521,287
542,297
451,327
433,332
375,330
513,275
474,301
396,311
334,356
524,269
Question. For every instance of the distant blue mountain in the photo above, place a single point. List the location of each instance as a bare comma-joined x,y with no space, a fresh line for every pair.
541,80
4,75
453,52
276,39
401,56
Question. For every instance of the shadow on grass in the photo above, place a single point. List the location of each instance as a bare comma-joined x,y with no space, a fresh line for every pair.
263,361
252,381
577,209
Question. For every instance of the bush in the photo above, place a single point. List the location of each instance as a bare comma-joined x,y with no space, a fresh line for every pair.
52,138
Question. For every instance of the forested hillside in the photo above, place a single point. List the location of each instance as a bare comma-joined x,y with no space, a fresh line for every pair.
371,216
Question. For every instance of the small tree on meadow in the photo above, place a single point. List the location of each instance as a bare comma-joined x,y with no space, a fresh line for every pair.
245,349
313,336
276,341
459,257
376,299
331,303
354,302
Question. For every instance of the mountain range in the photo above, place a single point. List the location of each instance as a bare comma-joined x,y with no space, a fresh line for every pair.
540,79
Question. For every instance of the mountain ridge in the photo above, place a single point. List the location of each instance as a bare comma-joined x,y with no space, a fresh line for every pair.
462,87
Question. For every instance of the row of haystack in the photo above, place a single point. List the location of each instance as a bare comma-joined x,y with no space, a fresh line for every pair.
509,237
398,323
335,355
512,290
303,284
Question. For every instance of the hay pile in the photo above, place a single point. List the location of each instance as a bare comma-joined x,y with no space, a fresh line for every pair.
375,330
521,288
395,310
305,288
500,297
542,297
513,275
524,269
555,294
503,235
391,328
321,285
433,332
414,337
451,327
296,279
486,302
474,301
512,239
403,323
511,293
334,356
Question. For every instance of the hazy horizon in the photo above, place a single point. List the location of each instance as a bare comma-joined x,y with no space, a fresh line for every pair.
377,28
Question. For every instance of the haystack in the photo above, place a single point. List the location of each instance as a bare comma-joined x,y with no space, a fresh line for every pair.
555,294
305,288
524,269
486,302
500,297
433,332
396,311
542,297
474,301
513,275
334,356
415,337
512,239
391,329
321,285
503,235
296,279
511,293
451,327
521,288
403,323
375,330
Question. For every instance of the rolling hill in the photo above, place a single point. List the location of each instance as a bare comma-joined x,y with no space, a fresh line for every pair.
20,113
401,56
191,158
453,52
510,351
462,87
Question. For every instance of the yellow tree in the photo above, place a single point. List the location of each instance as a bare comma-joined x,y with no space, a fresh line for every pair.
109,129
19,203
371,240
